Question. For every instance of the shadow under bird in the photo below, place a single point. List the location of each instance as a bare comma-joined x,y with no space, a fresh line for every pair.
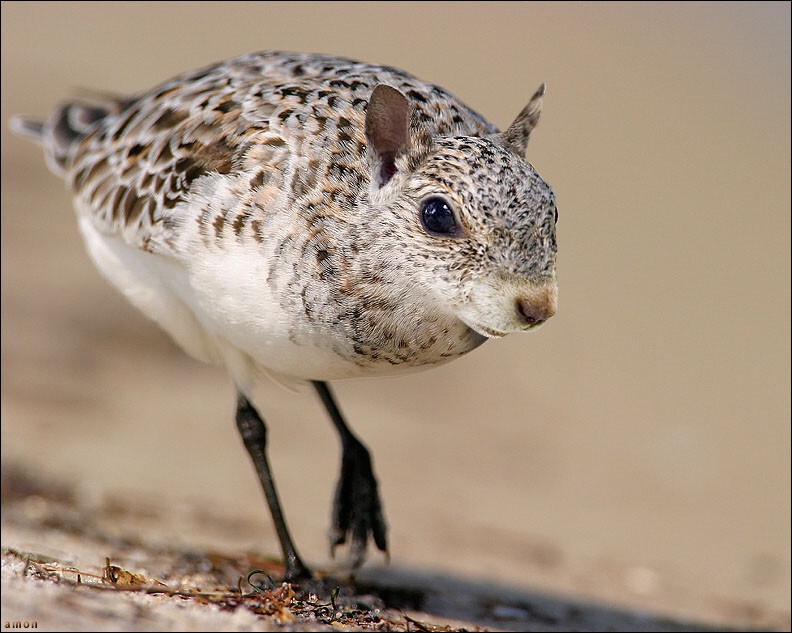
313,218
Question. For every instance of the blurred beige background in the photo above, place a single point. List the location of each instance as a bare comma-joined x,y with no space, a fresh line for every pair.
645,429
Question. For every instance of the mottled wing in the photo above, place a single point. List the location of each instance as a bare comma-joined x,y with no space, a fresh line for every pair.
138,162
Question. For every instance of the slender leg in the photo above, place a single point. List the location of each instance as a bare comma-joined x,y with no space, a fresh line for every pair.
357,510
254,435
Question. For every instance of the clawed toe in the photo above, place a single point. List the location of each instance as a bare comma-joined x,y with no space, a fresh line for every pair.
357,509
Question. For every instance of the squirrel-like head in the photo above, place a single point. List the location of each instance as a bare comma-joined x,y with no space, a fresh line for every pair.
480,239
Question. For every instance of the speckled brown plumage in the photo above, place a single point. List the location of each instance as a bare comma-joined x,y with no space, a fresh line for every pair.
311,217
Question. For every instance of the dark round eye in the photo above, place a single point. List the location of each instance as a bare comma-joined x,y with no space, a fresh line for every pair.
437,216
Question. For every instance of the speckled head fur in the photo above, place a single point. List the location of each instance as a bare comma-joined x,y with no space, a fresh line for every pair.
495,268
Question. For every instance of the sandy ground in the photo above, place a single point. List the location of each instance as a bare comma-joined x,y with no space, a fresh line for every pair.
152,580
633,452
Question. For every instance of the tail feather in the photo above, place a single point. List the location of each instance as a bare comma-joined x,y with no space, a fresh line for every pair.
72,122
31,129
68,125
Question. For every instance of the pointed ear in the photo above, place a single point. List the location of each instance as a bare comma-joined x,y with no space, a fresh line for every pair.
515,139
387,130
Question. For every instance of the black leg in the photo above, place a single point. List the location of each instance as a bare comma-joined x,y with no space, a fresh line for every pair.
357,510
254,435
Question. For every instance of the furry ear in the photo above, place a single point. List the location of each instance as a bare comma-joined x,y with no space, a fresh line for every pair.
387,130
515,138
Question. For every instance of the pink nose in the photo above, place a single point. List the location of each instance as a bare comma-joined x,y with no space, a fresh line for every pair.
536,307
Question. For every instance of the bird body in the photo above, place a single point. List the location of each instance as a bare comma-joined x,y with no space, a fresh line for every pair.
311,217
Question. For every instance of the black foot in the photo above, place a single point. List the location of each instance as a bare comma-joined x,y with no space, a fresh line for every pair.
254,435
357,510
297,571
